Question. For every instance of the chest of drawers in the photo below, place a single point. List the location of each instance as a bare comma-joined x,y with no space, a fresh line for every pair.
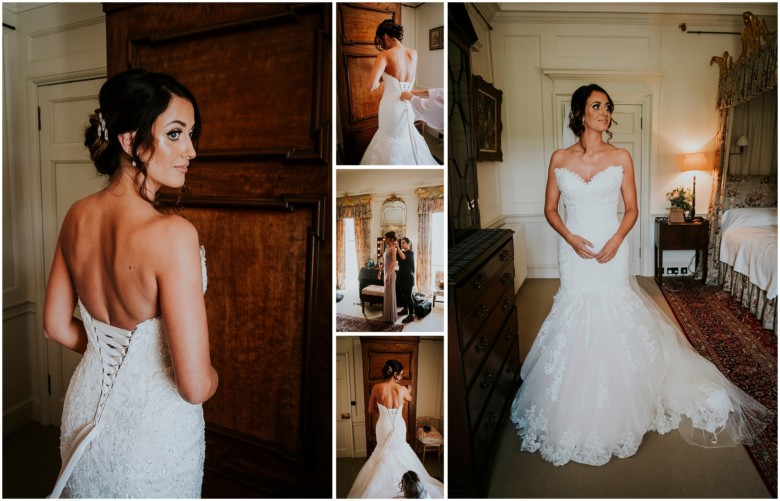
482,346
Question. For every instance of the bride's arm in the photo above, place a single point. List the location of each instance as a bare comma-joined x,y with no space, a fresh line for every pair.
551,198
628,190
183,310
59,324
380,63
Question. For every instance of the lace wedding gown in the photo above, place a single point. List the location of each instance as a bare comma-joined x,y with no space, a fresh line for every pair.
396,141
607,365
126,431
381,475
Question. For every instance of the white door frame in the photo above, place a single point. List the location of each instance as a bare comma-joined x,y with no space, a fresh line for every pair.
632,88
40,267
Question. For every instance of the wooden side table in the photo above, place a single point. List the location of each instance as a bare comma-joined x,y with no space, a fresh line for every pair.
694,235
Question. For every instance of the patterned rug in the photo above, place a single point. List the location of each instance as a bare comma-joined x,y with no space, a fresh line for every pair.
731,338
346,323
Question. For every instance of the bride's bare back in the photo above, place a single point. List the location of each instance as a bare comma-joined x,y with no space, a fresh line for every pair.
390,394
399,62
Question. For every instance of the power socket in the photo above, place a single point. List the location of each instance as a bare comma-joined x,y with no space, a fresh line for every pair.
673,271
684,270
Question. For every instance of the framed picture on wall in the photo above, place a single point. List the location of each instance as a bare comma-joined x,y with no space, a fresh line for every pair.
487,114
436,38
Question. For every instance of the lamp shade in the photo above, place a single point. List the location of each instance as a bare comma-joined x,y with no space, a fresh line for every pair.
742,141
694,161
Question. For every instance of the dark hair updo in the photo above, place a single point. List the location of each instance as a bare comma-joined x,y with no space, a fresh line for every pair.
408,242
411,486
131,101
579,100
391,236
390,28
391,368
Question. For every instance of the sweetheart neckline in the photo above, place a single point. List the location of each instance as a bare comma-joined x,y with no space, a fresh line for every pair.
594,176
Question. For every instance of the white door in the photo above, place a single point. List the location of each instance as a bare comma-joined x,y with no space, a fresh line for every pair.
626,133
67,175
344,441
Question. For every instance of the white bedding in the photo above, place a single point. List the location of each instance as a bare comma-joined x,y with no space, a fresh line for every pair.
749,245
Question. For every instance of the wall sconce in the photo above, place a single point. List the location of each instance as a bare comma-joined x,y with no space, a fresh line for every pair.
694,161
743,143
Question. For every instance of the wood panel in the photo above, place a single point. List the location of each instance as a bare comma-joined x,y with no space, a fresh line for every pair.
359,107
258,193
376,352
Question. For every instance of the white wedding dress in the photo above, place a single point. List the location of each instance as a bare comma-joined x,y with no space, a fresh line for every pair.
607,365
126,431
397,141
381,475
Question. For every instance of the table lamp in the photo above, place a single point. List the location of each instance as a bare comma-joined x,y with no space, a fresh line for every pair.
694,161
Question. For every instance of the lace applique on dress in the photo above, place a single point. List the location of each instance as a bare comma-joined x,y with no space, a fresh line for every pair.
397,141
126,431
607,365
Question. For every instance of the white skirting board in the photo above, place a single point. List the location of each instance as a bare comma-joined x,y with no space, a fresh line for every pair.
521,264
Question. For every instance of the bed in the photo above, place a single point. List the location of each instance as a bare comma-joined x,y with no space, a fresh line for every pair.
748,249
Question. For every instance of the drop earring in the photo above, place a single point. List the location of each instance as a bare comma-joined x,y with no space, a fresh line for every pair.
134,164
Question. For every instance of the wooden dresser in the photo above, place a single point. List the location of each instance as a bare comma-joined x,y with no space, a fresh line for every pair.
484,359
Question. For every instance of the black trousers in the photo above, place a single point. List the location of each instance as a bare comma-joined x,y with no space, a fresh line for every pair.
403,292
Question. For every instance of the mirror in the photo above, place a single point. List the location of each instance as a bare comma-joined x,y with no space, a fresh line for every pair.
394,216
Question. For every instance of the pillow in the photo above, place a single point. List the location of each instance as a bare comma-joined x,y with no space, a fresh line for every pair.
735,218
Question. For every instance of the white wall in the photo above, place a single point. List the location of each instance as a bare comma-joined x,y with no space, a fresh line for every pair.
430,389
51,44
430,67
635,51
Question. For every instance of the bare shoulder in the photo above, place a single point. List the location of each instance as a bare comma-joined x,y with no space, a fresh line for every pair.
559,157
621,156
172,236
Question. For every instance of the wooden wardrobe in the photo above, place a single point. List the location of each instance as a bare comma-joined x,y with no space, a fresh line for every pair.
358,107
376,352
259,195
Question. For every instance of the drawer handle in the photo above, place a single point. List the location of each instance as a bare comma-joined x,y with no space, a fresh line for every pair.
507,304
482,344
479,283
488,381
509,334
482,311
491,420
506,278
504,255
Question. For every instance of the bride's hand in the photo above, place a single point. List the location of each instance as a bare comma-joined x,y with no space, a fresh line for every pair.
580,246
609,250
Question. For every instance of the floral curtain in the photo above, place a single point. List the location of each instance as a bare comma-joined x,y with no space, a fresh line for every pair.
749,76
715,209
754,73
430,201
359,209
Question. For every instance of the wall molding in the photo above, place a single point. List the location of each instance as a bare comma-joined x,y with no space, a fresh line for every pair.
19,309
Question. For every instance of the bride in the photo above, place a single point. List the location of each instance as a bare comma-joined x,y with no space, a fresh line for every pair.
393,457
397,141
607,366
132,423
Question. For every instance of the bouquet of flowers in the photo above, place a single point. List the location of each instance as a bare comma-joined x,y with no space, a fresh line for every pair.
680,197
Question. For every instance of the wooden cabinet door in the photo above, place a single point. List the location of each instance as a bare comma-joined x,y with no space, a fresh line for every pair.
356,25
259,195
376,352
